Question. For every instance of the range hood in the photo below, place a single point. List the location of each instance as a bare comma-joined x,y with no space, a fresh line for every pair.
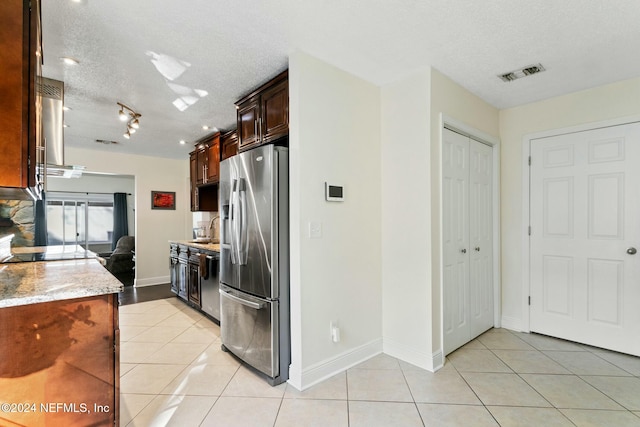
52,95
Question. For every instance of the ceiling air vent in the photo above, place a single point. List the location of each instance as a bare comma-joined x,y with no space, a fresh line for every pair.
105,142
523,72
507,77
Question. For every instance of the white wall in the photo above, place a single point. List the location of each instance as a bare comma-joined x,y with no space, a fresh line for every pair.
334,137
411,144
154,228
608,102
88,183
406,213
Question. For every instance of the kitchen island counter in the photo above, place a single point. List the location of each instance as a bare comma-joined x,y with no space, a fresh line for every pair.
213,247
34,282
59,343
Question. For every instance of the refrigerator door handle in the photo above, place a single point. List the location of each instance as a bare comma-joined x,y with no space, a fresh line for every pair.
243,241
233,221
251,304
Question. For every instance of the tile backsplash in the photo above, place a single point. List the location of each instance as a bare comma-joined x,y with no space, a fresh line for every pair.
17,217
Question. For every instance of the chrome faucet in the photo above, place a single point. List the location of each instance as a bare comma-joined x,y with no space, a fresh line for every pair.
212,229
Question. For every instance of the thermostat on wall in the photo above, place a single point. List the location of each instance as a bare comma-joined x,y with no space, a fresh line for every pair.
333,193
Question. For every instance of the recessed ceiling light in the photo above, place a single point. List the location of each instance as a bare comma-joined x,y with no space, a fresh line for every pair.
182,142
66,108
65,125
205,127
70,61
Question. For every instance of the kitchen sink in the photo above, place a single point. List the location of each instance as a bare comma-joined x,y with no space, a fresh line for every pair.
199,241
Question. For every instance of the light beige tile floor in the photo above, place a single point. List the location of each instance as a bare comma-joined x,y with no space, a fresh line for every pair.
173,373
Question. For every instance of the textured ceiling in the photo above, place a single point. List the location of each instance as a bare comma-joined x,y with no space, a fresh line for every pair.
158,55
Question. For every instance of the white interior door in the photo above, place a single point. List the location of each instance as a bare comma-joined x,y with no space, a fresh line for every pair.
480,238
585,220
467,239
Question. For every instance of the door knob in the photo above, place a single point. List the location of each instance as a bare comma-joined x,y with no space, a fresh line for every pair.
464,251
631,251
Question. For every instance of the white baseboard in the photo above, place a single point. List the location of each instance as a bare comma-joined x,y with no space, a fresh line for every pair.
512,323
430,362
150,281
328,368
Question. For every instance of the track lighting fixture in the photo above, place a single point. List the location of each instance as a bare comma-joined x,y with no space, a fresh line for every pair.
127,114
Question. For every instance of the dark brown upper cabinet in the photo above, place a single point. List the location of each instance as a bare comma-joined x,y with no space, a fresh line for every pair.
212,164
263,115
204,169
20,65
248,123
229,144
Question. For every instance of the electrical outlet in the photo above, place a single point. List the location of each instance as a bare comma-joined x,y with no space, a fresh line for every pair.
315,230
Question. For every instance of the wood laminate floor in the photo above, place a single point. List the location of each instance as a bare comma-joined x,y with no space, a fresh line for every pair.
132,295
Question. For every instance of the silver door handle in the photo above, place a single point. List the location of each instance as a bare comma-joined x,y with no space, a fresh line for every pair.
233,221
631,251
464,251
243,241
251,304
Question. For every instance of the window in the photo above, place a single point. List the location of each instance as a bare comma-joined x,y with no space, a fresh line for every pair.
84,219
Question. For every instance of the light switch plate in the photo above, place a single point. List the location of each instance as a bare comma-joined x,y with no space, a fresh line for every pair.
315,230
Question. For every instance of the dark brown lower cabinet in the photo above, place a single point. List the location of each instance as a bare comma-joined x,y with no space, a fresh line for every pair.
59,363
194,278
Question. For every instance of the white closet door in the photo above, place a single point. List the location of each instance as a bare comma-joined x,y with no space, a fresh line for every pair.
467,203
480,238
585,221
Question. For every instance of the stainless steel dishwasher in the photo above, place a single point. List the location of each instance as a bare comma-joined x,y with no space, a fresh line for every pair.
210,287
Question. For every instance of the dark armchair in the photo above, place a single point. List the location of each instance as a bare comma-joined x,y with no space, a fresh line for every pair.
121,261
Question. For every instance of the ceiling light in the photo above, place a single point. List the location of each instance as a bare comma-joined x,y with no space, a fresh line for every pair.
65,125
129,115
70,61
182,142
205,127
66,108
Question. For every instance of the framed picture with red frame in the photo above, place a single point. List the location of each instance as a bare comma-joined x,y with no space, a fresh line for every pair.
163,200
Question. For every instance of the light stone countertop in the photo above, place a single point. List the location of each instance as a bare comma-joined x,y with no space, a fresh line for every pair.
25,283
214,247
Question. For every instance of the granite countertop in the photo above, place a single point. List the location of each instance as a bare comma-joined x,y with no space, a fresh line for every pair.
34,282
47,253
213,247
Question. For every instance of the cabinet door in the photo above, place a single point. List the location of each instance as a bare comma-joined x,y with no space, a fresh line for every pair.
229,143
182,279
213,160
193,165
248,116
45,346
201,163
15,53
194,284
173,271
274,120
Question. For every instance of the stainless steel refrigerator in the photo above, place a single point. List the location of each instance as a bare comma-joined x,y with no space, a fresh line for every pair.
254,259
